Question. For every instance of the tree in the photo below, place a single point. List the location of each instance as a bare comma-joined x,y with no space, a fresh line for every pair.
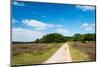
58,38
37,41
69,38
53,37
78,37
89,37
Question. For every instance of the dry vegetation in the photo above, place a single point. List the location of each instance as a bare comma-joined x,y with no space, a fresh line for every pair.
32,53
83,51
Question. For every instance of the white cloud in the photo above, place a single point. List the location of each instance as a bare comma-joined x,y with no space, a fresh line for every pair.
85,8
34,23
18,4
88,27
59,25
62,31
20,34
38,25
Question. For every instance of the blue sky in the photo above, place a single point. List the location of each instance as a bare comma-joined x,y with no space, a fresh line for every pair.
31,20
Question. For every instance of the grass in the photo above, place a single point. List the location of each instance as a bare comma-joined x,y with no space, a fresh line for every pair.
82,51
23,54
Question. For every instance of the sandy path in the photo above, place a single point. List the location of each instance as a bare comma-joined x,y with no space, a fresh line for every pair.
62,55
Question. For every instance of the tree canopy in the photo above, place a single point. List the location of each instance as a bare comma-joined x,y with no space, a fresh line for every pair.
53,37
59,38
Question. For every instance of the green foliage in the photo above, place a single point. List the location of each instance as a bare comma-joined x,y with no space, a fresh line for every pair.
52,38
58,38
69,38
37,40
89,37
77,37
84,37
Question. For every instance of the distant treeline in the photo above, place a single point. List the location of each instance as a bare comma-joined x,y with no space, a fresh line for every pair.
58,38
22,42
55,37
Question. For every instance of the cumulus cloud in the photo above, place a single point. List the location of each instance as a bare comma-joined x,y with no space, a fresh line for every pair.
18,3
38,25
25,35
62,31
59,25
85,8
88,27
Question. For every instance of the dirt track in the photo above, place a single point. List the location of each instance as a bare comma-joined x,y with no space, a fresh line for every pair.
62,55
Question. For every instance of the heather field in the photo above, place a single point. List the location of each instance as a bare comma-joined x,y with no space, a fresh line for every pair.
83,51
23,54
